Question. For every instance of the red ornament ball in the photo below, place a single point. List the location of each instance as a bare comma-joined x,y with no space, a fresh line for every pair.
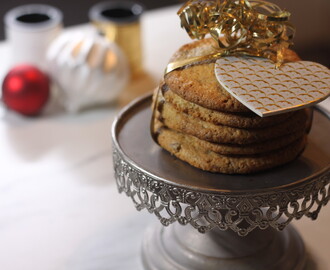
25,89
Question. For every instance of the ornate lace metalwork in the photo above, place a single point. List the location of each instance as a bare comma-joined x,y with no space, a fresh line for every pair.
205,211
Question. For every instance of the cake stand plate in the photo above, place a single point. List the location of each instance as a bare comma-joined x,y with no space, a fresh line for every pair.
243,215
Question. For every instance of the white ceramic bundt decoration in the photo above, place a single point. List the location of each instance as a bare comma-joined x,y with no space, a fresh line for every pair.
87,69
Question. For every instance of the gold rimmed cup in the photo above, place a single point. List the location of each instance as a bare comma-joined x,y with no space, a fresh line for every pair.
119,22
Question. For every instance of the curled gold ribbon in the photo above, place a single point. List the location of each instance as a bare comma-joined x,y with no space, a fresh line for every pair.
240,27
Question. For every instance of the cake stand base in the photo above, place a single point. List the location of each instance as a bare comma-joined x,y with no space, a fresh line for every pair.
179,193
182,247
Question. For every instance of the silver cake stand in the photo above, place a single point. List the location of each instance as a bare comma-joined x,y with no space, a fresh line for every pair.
234,222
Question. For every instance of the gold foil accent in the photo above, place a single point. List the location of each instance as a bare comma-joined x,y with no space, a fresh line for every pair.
240,27
155,102
92,56
77,48
110,61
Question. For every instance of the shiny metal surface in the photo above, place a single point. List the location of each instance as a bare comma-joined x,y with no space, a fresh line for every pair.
175,191
131,137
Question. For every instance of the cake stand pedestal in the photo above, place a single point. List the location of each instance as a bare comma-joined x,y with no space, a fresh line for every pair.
233,221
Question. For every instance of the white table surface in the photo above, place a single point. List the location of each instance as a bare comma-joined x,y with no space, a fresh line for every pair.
59,206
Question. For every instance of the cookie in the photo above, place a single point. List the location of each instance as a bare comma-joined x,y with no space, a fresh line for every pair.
180,146
197,82
207,131
231,149
240,120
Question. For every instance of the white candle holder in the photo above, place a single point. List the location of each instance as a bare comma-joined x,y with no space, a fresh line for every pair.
29,30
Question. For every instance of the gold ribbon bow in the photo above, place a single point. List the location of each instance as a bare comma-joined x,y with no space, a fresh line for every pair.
240,27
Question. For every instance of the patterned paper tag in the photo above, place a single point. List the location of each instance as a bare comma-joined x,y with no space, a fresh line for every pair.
267,91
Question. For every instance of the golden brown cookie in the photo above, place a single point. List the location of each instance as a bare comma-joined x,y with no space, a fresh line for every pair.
199,85
182,148
240,120
197,82
207,131
230,149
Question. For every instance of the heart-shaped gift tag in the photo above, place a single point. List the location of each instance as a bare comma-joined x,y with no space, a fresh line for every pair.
265,90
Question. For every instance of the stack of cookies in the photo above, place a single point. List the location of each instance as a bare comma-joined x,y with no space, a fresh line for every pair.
202,124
